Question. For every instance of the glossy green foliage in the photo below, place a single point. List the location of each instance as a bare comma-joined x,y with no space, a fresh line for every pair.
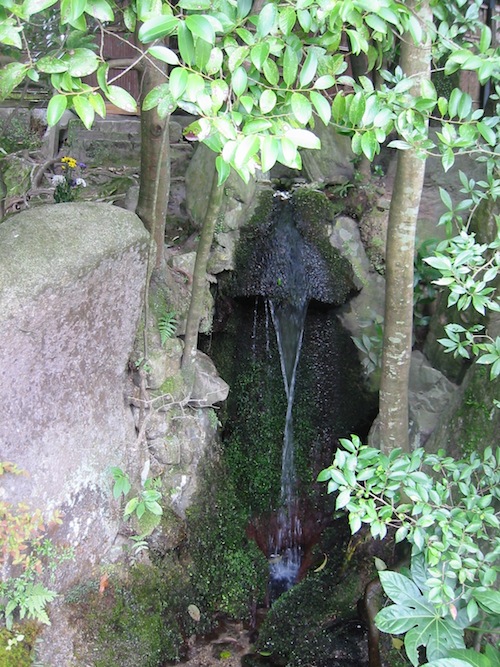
257,83
448,511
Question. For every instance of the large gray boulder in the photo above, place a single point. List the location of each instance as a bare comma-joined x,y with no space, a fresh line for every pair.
71,282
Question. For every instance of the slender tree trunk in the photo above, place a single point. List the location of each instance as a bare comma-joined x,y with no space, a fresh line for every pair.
199,278
154,187
396,357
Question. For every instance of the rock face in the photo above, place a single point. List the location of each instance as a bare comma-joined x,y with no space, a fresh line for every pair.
71,280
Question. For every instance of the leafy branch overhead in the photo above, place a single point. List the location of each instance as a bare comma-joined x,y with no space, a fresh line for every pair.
259,83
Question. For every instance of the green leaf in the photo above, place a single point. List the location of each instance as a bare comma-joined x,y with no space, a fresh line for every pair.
305,19
324,475
98,104
301,108
485,39
308,69
488,600
321,106
223,170
201,27
214,62
271,72
131,506
246,149
102,76
290,65
34,6
178,81
239,81
415,29
259,54
100,10
237,57
256,125
488,134
338,107
186,44
196,5
55,109
10,77
376,23
324,82
10,35
195,86
82,62
369,144
164,54
398,588
267,19
418,618
303,138
448,159
129,18
121,98
470,657
287,20
71,10
267,101
153,507
202,53
269,151
146,9
357,108
158,27
51,65
84,109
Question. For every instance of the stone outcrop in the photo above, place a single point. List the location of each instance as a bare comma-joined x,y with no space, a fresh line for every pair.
71,283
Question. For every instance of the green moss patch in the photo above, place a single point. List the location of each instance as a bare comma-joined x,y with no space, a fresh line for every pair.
139,619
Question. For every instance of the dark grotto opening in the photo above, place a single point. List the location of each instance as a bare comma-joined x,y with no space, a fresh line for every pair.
297,387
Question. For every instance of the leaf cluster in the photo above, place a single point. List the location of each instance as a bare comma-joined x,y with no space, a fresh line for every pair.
448,511
257,82
144,506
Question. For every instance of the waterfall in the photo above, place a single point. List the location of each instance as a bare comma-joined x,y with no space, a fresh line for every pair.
288,320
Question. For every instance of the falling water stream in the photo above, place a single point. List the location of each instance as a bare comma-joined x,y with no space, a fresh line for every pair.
286,554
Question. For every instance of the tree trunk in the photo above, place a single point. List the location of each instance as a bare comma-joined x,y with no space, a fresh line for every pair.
396,356
154,187
199,278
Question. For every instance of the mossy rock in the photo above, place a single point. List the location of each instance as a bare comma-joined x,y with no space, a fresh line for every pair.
228,571
286,240
304,623
22,651
472,421
141,619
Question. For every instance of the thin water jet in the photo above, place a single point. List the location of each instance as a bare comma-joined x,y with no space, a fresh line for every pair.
285,544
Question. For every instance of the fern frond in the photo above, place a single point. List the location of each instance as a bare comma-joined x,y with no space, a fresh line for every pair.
167,325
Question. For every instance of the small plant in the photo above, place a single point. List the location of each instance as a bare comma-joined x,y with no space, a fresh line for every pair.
370,344
144,506
69,182
167,325
24,545
142,364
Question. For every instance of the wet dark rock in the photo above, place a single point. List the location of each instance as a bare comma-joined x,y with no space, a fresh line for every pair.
278,252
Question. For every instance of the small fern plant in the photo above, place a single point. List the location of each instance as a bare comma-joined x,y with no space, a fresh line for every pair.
167,325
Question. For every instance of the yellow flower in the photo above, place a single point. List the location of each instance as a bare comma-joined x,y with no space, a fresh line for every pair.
70,161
